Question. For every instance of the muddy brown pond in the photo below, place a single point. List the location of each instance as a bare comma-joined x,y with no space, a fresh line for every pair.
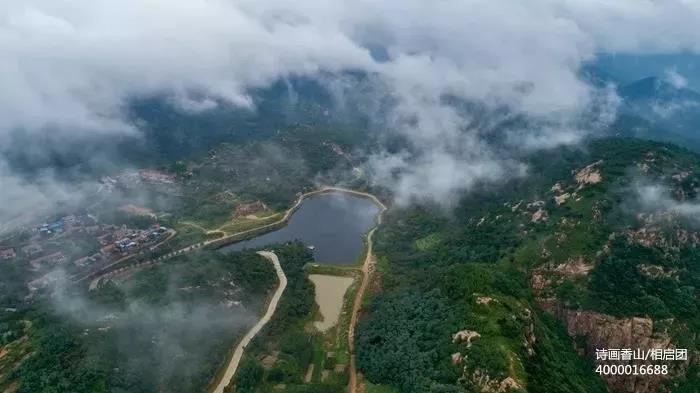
330,291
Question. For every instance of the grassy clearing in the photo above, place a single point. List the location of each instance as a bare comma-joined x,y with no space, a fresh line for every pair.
244,224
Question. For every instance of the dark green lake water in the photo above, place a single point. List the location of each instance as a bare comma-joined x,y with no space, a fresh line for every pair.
333,223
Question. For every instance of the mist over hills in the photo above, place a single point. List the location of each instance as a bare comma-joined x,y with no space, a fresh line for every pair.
539,161
660,106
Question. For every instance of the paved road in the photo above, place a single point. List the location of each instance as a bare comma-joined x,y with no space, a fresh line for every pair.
105,271
367,268
238,352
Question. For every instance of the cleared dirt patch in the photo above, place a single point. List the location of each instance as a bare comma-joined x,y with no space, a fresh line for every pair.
330,291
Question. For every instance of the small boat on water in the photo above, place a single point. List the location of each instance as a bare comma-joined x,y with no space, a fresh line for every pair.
311,247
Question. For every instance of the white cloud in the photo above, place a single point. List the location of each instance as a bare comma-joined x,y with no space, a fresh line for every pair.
636,26
666,110
657,198
74,64
675,79
21,200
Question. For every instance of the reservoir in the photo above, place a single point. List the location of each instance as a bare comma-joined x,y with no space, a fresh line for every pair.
330,291
333,223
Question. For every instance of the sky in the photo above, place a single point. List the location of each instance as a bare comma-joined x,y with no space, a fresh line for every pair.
70,67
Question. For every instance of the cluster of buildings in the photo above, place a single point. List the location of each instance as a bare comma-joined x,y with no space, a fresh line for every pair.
59,241
65,224
120,241
46,246
136,239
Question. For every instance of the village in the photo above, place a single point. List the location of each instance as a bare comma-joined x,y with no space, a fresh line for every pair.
78,244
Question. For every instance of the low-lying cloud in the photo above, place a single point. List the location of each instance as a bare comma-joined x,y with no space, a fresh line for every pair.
76,65
676,80
175,343
655,197
23,199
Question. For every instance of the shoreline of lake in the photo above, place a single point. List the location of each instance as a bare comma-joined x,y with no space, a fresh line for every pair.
332,221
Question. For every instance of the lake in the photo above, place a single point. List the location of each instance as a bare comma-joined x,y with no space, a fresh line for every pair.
334,223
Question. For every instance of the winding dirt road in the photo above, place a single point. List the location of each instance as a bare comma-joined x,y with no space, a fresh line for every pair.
238,352
367,269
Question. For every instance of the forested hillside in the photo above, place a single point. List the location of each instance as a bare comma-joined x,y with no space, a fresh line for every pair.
516,286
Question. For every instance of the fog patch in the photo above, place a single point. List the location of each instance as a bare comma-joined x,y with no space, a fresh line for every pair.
156,345
676,80
23,200
658,198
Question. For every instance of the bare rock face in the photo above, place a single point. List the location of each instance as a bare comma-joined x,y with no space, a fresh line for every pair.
604,332
560,199
574,267
484,300
660,237
465,335
538,282
655,271
589,175
485,383
539,215
543,277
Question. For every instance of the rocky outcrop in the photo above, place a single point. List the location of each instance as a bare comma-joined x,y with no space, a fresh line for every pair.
604,331
543,277
573,267
484,300
485,383
589,175
560,199
539,215
656,236
655,271
465,335
539,282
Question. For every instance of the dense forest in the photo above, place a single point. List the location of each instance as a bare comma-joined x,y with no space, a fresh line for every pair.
471,271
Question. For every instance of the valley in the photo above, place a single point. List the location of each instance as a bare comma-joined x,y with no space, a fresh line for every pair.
520,262
349,197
